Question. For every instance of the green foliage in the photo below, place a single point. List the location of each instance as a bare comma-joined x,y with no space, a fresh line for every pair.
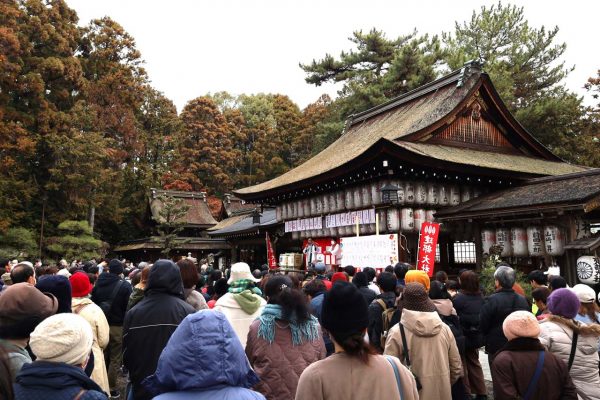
170,223
486,275
76,241
17,243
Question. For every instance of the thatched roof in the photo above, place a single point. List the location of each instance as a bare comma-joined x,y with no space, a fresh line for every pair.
579,191
198,214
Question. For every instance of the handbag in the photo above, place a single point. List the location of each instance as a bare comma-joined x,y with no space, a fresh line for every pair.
397,375
407,357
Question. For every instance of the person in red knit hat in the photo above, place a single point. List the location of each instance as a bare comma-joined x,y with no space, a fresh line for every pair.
85,307
339,276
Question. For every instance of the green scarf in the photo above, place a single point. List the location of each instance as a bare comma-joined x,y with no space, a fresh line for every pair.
248,301
307,330
244,284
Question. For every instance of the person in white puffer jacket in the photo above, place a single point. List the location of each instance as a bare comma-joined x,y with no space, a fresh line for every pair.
558,333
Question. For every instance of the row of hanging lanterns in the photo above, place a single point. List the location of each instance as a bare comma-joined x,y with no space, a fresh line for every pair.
534,241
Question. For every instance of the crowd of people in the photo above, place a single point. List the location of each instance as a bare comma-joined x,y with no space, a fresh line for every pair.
184,331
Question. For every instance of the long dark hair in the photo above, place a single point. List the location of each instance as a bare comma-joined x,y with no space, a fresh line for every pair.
355,346
280,290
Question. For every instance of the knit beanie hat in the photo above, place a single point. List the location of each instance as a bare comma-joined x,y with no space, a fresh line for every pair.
80,284
563,302
415,275
345,311
415,298
584,293
115,267
339,276
60,287
65,338
521,324
22,307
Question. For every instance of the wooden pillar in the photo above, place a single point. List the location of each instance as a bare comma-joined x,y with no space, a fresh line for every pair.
478,245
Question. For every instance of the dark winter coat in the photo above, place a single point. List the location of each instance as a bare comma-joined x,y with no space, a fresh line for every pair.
43,380
494,311
468,307
316,306
149,325
368,294
375,320
102,291
514,367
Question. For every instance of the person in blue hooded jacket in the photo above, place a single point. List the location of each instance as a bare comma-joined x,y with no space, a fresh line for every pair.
203,360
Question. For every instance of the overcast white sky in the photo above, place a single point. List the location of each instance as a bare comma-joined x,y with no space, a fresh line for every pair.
192,47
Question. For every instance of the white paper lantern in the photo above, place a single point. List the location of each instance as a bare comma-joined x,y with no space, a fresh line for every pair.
357,194
535,241
279,213
443,195
340,200
503,239
299,209
375,193
319,204
348,199
588,270
382,221
284,211
313,206
393,220
420,193
466,194
454,195
401,193
518,238
295,235
325,203
363,229
306,205
488,239
409,193
420,217
370,228
365,195
430,215
407,220
432,194
554,240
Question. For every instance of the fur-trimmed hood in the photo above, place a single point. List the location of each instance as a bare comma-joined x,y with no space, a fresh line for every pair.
575,326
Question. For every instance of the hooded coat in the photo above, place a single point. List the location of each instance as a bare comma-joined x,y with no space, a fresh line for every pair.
149,325
57,381
203,360
103,290
434,357
240,318
556,334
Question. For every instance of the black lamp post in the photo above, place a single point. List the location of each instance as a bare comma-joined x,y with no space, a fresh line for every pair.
255,217
389,194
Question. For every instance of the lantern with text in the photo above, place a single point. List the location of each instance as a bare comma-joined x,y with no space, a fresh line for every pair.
427,247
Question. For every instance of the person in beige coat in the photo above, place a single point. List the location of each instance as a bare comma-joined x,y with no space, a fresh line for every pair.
81,304
242,304
433,354
355,371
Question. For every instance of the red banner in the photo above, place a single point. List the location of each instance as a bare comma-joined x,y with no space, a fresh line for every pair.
270,253
427,246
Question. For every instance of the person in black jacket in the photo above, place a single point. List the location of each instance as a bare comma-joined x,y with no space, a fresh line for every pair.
149,325
111,294
387,284
468,303
497,307
360,281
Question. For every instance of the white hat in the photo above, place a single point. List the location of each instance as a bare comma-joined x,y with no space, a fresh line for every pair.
241,271
64,272
64,337
584,293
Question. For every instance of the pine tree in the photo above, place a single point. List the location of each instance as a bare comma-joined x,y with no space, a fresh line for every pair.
170,222
76,242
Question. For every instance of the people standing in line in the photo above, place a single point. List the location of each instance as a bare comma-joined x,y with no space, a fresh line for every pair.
22,308
190,277
220,287
6,380
386,300
138,290
556,282
575,343
60,287
497,307
468,303
149,325
524,369
242,303
23,272
339,276
284,340
422,340
400,270
350,271
540,299
111,293
82,305
360,281
355,371
315,291
371,273
589,312
62,344
419,276
537,279
203,360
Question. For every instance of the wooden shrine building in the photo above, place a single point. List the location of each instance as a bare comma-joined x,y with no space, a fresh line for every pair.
441,145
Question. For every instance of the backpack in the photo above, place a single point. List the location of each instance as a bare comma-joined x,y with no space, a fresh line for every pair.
386,319
454,324
106,305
